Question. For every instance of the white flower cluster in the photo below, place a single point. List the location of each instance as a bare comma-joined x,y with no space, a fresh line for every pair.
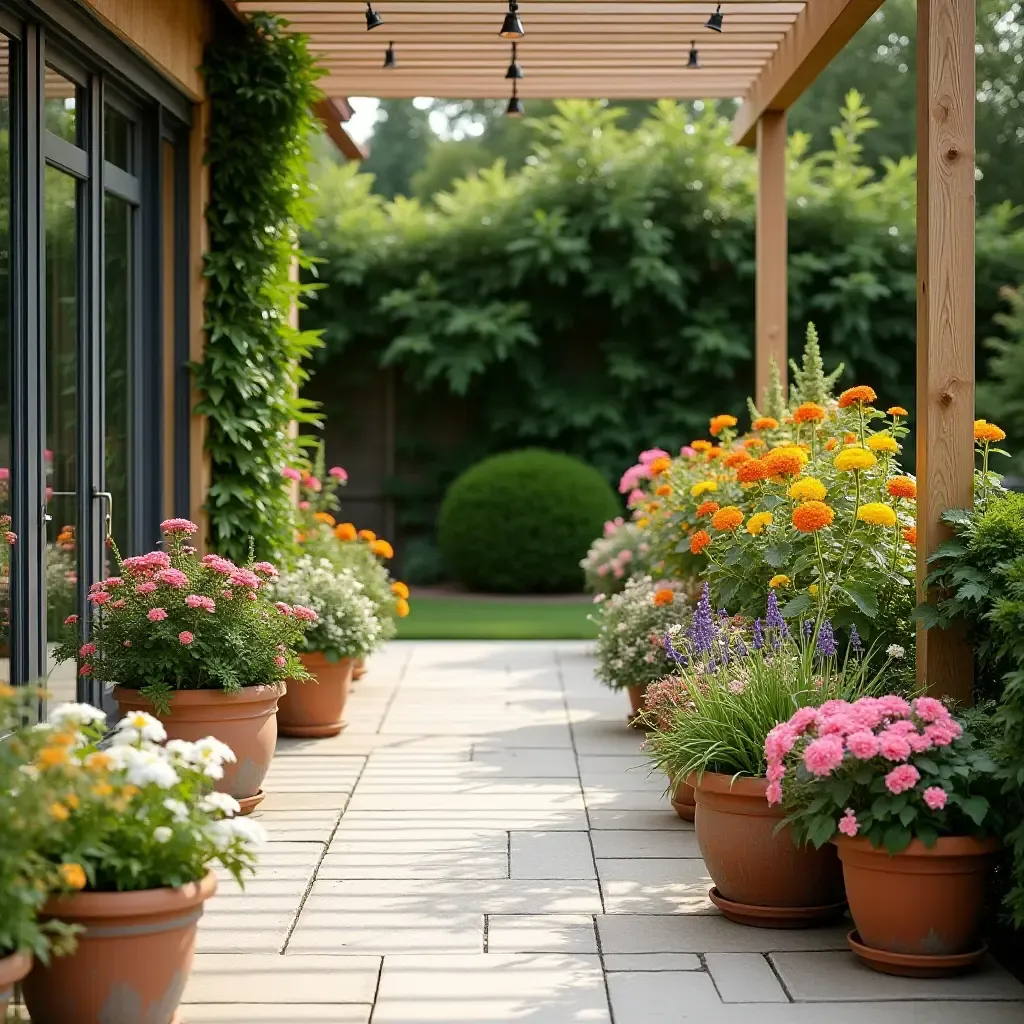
348,625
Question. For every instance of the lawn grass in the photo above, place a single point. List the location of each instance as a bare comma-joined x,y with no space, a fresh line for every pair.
494,618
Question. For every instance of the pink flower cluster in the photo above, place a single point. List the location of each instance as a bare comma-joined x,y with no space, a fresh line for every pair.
201,601
887,728
612,525
289,473
633,477
664,698
185,526
337,473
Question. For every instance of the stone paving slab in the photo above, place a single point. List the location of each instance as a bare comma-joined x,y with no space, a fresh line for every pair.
551,855
279,1013
541,933
665,997
649,886
421,854
745,978
644,843
652,962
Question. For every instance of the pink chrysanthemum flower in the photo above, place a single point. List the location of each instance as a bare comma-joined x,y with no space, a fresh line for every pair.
935,797
848,823
185,637
156,614
304,614
291,474
941,734
928,709
893,747
71,620
145,588
173,578
86,649
863,744
803,719
266,569
822,756
185,526
337,473
99,598
280,661
779,742
773,794
902,778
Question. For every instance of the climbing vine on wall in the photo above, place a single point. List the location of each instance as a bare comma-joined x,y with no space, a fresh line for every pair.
261,84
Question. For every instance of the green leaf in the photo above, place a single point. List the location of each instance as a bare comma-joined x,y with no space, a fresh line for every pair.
821,830
896,838
976,808
796,606
863,595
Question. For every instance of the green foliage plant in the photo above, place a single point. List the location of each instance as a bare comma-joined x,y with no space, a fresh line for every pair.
172,621
261,85
521,522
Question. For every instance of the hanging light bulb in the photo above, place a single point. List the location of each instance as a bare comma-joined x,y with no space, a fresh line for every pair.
715,21
694,61
389,57
514,70
373,19
515,105
512,27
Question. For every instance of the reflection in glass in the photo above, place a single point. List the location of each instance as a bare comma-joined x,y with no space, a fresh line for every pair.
61,106
118,139
118,244
61,290
8,530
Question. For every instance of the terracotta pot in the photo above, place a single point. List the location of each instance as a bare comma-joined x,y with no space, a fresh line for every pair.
761,877
922,902
132,960
12,969
246,721
316,707
683,799
359,668
636,699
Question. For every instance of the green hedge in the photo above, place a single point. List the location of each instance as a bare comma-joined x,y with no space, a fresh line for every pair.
520,522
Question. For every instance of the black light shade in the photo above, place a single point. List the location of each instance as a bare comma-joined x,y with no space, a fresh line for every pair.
512,27
715,21
515,105
694,61
514,70
373,19
389,57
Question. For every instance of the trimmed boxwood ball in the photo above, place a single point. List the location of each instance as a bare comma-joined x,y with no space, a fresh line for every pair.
519,523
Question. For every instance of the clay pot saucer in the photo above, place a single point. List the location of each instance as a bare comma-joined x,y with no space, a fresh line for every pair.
248,804
912,965
775,917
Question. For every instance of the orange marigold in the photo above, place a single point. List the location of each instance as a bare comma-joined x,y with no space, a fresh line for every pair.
660,465
902,487
715,453
987,432
752,471
324,517
809,412
765,423
701,446
753,442
699,541
849,438
707,508
401,607
734,459
812,516
663,491
400,589
861,393
663,596
786,461
720,423
896,410
382,549
831,444
368,535
910,536
345,531
727,519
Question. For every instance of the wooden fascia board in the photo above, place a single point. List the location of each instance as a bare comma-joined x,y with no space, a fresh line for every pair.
330,115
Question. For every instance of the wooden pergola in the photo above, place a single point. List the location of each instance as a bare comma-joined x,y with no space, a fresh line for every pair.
767,54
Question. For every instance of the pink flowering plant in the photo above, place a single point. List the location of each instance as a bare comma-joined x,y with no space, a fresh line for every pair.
318,485
170,620
618,555
885,768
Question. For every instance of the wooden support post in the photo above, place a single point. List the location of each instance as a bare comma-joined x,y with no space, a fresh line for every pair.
772,250
945,306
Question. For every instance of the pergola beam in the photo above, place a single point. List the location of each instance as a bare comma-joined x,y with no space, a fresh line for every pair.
772,253
820,31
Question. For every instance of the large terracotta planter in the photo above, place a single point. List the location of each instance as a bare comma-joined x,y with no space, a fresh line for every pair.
246,721
761,878
923,904
13,969
316,707
132,960
683,798
359,668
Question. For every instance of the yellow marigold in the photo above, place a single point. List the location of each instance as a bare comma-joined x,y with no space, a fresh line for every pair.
651,506
102,789
707,508
832,444
809,412
703,487
987,432
663,491
861,393
642,522
896,410
850,460
877,513
902,487
812,516
699,541
807,489
779,581
765,423
660,465
753,442
400,589
720,423
324,517
663,596
727,519
734,459
367,535
73,875
910,536
50,757
752,471
59,812
72,801
785,461
757,522
345,531
129,791
382,549
701,446
402,608
883,443
813,590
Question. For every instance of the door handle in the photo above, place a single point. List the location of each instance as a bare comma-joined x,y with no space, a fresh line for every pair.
109,499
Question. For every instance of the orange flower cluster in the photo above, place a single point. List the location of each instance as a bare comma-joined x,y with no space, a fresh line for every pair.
902,487
896,410
701,446
727,519
751,472
324,517
707,508
734,459
861,393
910,536
765,423
812,516
720,423
832,444
367,535
987,432
660,465
663,596
345,531
382,549
809,412
753,442
699,541
786,461
663,491
715,453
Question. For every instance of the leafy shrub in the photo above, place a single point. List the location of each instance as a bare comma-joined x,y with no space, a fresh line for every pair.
522,521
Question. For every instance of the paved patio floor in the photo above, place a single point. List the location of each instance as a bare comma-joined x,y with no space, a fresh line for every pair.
483,845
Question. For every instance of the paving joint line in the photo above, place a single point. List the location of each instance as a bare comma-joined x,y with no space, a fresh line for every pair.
778,976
